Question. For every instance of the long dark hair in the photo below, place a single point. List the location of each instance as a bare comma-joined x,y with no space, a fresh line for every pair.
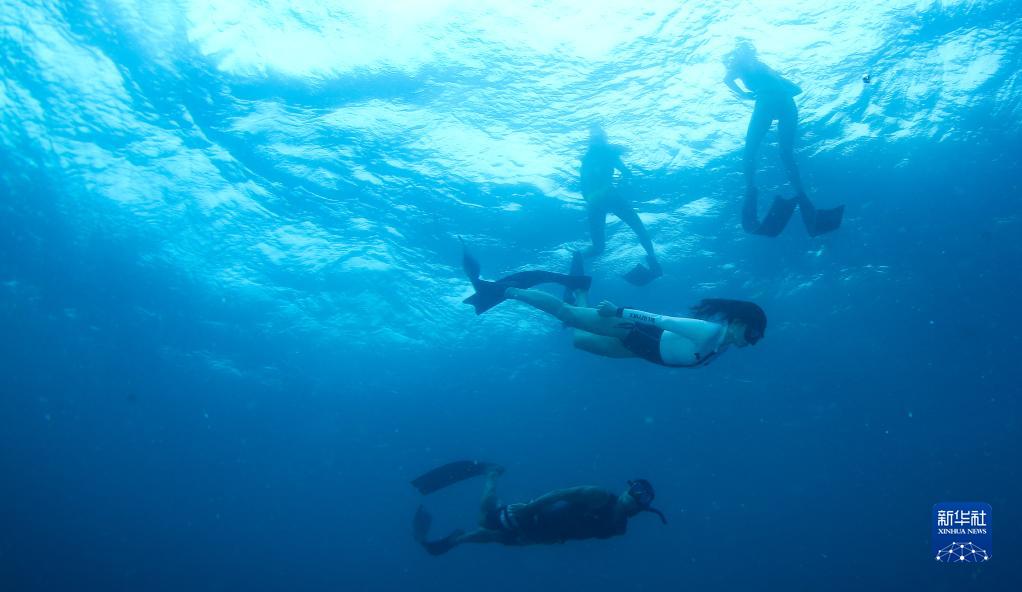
734,310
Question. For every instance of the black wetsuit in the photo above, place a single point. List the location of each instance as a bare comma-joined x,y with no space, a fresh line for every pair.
562,521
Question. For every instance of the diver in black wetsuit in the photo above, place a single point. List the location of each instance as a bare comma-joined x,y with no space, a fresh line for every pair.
774,96
562,515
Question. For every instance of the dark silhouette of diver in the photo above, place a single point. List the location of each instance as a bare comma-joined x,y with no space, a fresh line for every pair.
774,96
575,513
618,332
602,197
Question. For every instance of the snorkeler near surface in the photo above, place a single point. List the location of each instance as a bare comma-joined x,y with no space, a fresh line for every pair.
623,332
575,513
774,96
602,197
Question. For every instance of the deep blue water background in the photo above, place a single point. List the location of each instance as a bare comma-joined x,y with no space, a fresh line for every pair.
230,284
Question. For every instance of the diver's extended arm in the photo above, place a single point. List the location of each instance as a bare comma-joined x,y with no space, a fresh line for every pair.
696,330
589,496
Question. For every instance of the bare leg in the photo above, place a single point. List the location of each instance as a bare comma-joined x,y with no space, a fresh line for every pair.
787,124
758,126
481,535
582,298
629,217
597,229
610,347
489,502
577,317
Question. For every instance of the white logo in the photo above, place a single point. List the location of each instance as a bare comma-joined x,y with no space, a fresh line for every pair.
961,552
961,518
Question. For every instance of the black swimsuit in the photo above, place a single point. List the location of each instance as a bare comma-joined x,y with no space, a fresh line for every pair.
559,522
644,341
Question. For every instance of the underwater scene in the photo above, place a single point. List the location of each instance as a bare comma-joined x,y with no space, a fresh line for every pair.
434,295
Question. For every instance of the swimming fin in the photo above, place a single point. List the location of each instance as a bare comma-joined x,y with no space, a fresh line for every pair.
489,294
819,221
420,530
640,275
828,220
452,473
443,545
776,219
577,269
421,524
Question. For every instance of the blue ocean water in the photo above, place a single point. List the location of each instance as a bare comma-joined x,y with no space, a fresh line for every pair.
230,291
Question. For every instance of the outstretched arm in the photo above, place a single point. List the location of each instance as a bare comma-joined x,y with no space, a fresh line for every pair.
591,497
696,330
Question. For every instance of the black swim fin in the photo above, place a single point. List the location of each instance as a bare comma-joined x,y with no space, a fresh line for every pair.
488,295
452,473
421,524
828,220
776,219
577,269
640,275
420,530
819,221
443,545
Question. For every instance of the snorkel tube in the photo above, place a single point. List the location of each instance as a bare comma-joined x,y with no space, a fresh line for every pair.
642,492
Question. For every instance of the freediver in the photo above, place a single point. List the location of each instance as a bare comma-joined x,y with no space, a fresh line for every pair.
575,513
602,196
774,96
617,332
